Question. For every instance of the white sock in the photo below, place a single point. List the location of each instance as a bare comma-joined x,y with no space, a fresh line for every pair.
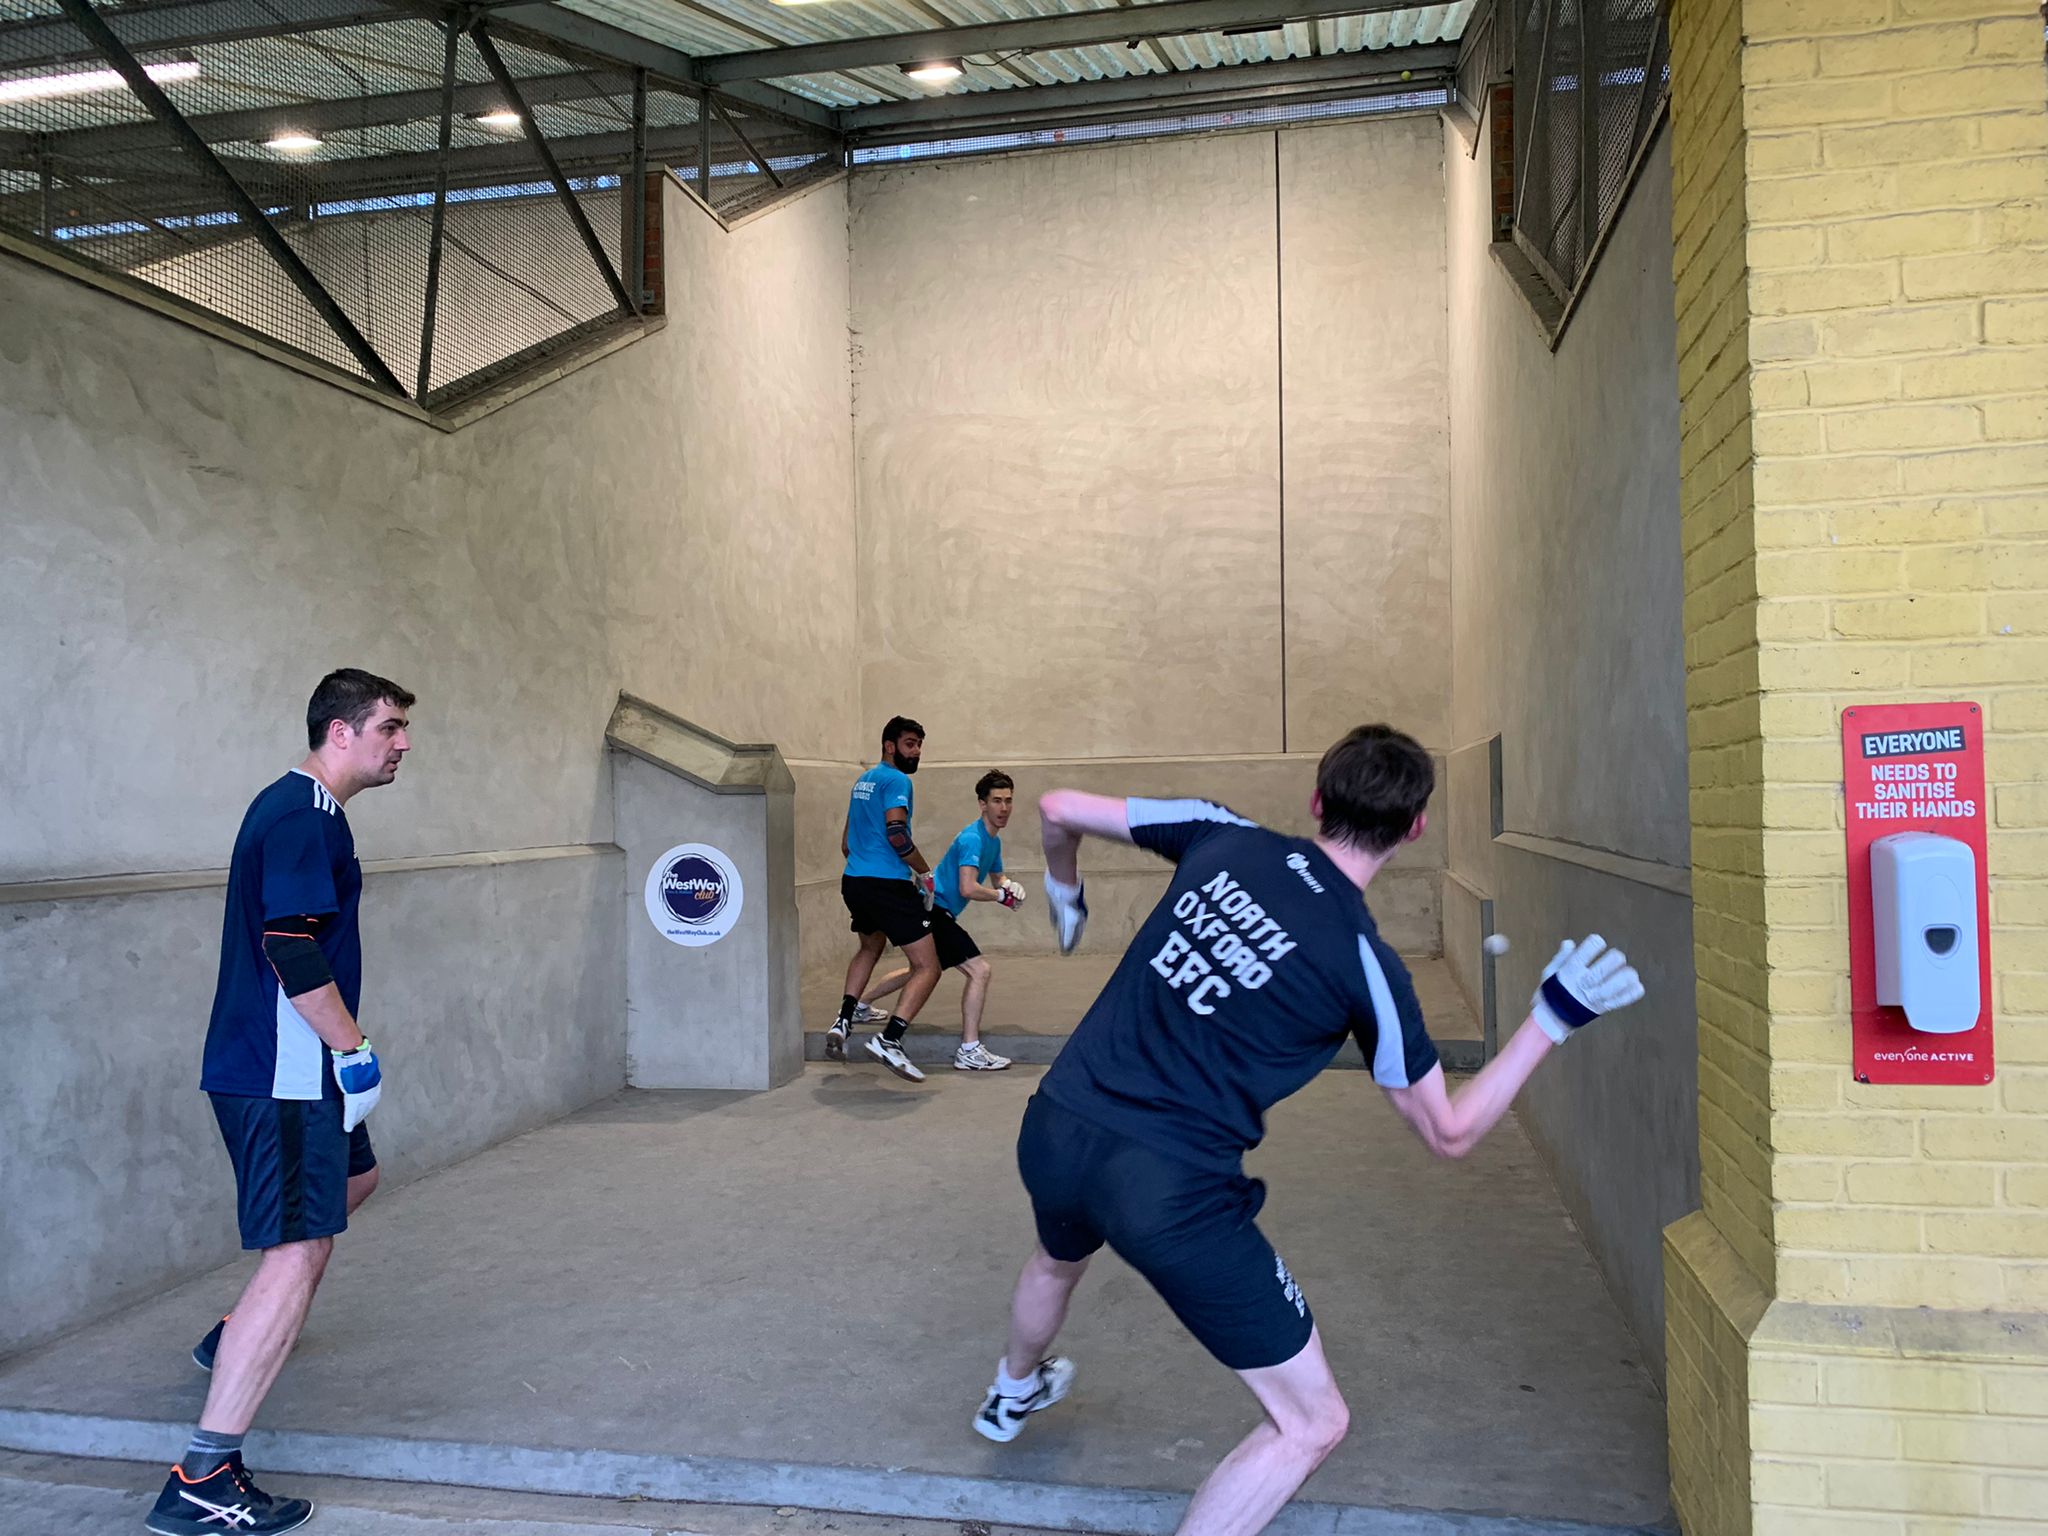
1010,1386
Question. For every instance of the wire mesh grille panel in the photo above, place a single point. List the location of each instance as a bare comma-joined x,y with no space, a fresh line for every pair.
354,182
1590,79
746,158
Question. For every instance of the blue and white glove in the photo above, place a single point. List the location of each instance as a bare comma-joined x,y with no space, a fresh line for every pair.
1583,980
1068,907
361,1081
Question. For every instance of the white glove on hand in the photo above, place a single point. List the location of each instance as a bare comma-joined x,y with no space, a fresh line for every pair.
1068,908
1012,894
361,1081
1583,980
927,890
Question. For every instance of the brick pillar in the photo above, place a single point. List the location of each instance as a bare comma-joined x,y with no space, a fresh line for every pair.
1858,1314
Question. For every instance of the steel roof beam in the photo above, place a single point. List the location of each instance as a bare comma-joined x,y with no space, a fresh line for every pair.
255,124
1429,64
49,40
603,39
1070,29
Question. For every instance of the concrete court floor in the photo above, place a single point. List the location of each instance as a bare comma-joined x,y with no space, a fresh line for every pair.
62,1496
797,1297
1034,1000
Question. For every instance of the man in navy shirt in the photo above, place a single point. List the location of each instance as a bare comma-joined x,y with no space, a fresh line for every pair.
290,1077
888,891
1257,964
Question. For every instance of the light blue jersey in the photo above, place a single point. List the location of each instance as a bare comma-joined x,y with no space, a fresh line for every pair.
876,793
975,848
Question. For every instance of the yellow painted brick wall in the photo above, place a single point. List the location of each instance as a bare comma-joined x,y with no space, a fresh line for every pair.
1897,251
1857,1320
1906,1424
1715,1260
1718,536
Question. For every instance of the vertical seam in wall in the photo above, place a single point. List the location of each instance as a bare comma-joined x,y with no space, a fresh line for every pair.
1280,422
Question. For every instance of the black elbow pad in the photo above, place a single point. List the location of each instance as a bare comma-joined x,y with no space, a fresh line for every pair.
295,956
899,839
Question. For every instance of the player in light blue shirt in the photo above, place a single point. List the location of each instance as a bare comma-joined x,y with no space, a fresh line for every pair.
972,870
887,888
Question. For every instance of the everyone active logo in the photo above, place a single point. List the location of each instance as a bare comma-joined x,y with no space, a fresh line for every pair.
694,895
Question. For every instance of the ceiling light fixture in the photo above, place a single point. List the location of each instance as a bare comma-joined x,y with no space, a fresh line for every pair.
85,81
502,118
293,141
934,71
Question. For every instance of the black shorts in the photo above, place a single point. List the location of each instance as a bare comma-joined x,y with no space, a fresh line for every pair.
1189,1231
292,1163
956,945
892,908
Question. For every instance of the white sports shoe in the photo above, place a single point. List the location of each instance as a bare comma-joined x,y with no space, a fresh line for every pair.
890,1055
1002,1418
868,1013
835,1042
978,1058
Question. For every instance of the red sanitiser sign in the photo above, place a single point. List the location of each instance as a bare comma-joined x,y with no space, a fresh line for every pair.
1914,768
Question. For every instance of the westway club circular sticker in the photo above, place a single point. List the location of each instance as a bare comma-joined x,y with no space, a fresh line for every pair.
694,895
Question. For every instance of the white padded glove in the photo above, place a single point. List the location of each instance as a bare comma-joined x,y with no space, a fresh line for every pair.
1068,908
361,1081
1583,980
1012,893
927,889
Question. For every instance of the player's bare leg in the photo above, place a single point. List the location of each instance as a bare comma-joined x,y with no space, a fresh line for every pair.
1305,1419
976,972
1038,1307
1027,1380
261,1331
858,970
887,1047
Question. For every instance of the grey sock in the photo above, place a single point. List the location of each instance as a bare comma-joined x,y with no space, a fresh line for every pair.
207,1451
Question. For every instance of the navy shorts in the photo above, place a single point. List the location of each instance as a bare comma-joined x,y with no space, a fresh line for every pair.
1190,1231
292,1163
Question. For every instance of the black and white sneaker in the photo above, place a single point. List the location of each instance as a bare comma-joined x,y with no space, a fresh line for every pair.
226,1499
1002,1418
204,1351
835,1040
891,1055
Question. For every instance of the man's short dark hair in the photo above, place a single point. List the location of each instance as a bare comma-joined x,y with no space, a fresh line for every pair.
900,726
992,781
1374,783
352,696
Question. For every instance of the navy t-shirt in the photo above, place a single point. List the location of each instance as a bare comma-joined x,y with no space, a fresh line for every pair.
1242,984
294,857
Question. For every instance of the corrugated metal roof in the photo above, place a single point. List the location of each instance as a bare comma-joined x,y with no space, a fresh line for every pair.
403,54
731,26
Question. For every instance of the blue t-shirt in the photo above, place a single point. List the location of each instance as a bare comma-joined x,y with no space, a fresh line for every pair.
975,848
877,792
294,857
1238,989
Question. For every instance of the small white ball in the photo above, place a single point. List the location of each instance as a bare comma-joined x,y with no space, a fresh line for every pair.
1495,943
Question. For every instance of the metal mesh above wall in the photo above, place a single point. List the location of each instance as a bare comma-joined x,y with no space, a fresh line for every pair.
333,177
1590,78
746,158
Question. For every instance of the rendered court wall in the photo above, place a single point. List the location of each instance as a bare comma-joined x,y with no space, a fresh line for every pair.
1566,645
195,534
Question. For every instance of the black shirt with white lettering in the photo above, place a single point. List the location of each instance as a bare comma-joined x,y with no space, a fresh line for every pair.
1241,986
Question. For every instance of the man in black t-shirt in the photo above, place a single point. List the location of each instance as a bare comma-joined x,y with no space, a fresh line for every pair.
1250,973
